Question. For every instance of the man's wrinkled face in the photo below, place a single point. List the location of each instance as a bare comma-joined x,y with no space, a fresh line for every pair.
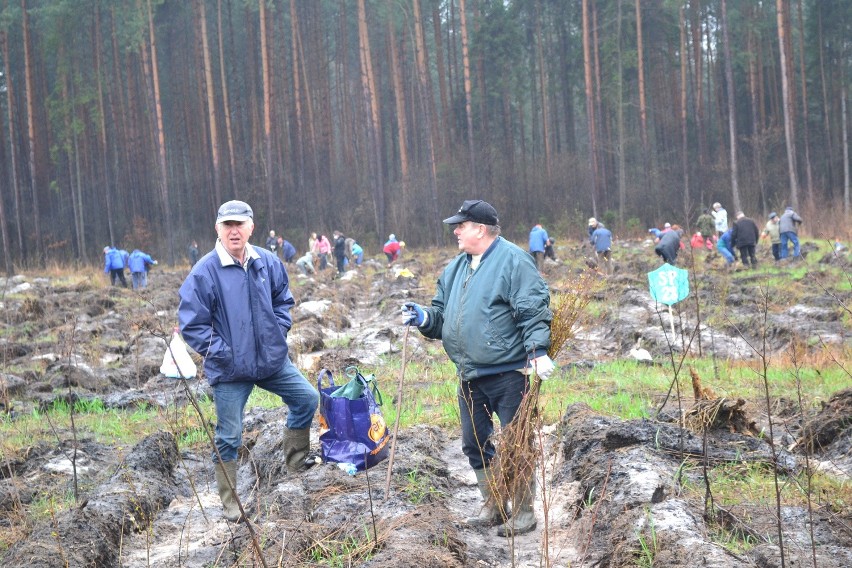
469,235
234,236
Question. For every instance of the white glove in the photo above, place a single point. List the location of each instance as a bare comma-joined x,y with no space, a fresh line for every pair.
543,367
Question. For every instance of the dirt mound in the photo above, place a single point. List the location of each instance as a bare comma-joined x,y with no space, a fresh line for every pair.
90,534
831,425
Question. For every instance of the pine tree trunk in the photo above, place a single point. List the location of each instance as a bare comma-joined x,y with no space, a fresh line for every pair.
372,114
11,110
266,78
425,101
160,137
683,122
31,161
401,118
211,103
590,105
226,106
468,95
732,111
787,103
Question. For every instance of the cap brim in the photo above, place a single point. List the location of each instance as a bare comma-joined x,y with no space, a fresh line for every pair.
240,218
456,219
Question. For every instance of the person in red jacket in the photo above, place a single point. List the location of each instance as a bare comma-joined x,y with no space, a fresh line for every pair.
392,249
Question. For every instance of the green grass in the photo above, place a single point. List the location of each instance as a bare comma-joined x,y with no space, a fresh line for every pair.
95,422
418,489
753,483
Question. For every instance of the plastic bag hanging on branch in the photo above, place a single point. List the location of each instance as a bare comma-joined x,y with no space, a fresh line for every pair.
177,363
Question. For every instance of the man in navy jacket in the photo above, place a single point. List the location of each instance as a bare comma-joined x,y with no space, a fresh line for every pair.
235,312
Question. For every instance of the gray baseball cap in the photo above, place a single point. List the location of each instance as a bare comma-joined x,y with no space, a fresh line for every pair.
234,211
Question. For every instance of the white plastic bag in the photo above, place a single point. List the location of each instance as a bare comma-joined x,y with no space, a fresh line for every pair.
177,357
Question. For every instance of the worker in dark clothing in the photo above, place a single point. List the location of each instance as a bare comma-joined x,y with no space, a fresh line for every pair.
744,236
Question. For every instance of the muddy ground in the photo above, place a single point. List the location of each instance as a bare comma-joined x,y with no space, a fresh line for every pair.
612,489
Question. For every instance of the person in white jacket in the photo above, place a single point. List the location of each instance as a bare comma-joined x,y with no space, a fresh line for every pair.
720,218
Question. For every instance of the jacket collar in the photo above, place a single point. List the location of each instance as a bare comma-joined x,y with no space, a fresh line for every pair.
490,248
226,259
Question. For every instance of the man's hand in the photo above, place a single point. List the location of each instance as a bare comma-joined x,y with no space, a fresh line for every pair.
543,367
413,314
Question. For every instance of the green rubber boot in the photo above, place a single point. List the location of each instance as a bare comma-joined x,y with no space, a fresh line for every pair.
224,472
523,515
297,443
490,515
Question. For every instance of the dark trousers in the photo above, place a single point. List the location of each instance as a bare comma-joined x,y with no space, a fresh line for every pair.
539,259
549,252
479,399
117,274
747,254
667,257
776,251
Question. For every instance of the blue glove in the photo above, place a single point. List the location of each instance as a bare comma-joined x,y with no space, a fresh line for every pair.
412,314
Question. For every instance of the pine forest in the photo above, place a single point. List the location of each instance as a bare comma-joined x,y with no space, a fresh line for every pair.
127,122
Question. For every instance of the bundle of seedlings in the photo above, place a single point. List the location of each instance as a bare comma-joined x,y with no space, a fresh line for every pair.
517,452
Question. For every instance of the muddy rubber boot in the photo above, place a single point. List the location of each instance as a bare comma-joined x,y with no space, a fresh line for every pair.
230,509
490,515
523,515
297,443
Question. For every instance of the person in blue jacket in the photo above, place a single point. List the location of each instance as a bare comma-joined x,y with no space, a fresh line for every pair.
234,311
139,263
357,254
601,239
538,244
726,247
492,312
114,266
288,251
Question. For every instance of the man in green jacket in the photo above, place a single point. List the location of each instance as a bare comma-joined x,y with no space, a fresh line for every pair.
491,311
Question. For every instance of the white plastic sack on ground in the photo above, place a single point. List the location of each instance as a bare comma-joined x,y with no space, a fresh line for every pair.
177,357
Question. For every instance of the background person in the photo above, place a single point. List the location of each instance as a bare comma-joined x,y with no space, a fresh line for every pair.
339,251
288,251
114,266
789,228
706,225
745,235
773,231
720,218
306,263
726,248
139,263
601,239
272,242
493,292
235,312
669,244
193,254
538,244
392,249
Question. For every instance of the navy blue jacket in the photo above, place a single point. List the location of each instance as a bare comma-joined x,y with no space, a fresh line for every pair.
237,319
288,250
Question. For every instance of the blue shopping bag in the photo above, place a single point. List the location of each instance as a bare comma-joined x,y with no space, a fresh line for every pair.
352,430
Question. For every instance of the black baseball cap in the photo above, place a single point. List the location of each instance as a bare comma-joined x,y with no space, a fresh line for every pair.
474,210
